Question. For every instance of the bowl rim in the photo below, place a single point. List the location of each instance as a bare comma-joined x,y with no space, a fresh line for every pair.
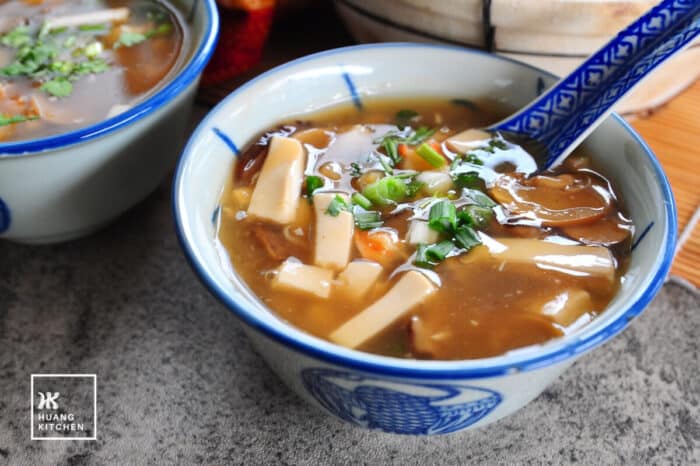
172,89
508,363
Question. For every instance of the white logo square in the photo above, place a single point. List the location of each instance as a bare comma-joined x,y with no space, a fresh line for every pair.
60,406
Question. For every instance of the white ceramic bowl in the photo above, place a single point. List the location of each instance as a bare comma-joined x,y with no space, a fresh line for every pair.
66,186
398,395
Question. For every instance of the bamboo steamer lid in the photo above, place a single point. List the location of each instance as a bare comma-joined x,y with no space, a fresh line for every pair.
555,35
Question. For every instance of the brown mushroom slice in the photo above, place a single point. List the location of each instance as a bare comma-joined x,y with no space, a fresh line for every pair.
553,200
605,232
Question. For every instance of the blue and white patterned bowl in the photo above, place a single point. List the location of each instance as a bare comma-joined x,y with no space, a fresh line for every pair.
66,186
389,394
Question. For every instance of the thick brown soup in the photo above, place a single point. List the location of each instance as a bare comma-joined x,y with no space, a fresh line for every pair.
68,64
398,230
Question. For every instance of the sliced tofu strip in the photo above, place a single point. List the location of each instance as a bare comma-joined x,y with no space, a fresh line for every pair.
292,275
468,140
278,190
333,240
420,233
574,260
411,290
358,278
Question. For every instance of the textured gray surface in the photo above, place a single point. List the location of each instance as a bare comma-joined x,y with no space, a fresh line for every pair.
179,383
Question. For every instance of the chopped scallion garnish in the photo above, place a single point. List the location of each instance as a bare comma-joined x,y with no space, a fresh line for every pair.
362,201
386,191
430,155
428,256
466,238
366,220
475,216
443,217
337,205
478,198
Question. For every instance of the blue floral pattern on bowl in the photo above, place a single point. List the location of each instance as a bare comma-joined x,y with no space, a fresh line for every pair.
399,407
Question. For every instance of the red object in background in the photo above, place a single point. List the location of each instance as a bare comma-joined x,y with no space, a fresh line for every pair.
241,40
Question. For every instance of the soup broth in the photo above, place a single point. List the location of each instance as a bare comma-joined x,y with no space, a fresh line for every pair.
68,64
410,235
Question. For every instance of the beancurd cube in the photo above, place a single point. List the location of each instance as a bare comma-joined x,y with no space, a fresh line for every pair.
278,190
411,290
358,278
467,140
566,307
292,275
333,241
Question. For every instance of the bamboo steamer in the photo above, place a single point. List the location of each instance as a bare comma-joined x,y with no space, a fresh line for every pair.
555,35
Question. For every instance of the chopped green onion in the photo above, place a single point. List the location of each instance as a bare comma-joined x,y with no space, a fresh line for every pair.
420,135
362,201
413,187
466,238
337,206
443,217
475,216
428,256
312,184
386,164
467,180
390,146
478,198
403,117
91,27
386,191
430,155
366,220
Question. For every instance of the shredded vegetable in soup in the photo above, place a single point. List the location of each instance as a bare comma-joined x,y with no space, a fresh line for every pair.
403,230
67,64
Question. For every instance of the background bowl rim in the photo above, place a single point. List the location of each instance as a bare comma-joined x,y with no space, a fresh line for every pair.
433,370
172,89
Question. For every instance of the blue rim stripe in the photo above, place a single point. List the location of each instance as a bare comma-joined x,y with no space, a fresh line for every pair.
353,91
642,235
227,140
186,77
422,369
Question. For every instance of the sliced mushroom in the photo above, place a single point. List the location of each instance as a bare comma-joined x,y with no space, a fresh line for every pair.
556,200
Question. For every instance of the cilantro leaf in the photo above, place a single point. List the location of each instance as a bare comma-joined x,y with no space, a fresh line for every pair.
129,39
58,87
6,120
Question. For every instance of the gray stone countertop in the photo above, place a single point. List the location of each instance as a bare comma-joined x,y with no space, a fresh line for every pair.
178,383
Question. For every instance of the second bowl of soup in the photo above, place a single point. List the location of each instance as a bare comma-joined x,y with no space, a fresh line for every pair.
396,265
94,103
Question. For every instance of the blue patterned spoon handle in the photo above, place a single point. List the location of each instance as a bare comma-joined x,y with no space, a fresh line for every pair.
563,116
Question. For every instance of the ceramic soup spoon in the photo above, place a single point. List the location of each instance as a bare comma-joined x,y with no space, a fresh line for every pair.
558,120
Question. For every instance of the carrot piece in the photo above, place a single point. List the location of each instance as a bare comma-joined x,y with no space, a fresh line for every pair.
378,245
